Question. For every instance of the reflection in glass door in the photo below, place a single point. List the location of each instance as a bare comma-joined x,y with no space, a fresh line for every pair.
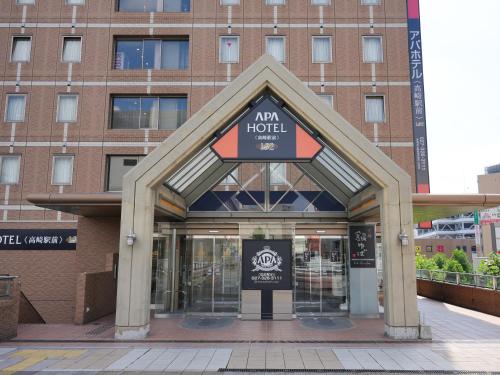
215,275
320,275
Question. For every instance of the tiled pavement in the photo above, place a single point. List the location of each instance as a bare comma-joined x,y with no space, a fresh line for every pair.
448,323
464,340
402,357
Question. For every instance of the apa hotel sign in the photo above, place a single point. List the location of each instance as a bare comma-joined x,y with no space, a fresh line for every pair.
267,132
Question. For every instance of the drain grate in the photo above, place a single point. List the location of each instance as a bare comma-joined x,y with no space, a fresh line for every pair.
100,329
326,323
206,323
357,372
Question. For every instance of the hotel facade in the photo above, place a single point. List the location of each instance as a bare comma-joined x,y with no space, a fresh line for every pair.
252,158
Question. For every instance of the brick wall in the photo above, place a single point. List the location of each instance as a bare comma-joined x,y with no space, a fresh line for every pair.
9,311
95,296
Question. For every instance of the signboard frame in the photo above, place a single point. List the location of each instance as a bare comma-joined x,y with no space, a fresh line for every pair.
356,243
250,248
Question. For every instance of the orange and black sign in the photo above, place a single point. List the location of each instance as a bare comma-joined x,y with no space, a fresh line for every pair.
267,132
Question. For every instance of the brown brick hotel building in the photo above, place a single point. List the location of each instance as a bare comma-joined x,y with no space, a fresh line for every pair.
90,87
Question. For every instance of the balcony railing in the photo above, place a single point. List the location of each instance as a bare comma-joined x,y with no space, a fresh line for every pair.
457,278
6,285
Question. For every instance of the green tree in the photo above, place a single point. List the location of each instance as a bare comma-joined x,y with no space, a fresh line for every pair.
490,266
452,265
440,260
424,263
461,257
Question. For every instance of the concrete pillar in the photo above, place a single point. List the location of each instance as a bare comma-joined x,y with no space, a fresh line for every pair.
400,290
134,268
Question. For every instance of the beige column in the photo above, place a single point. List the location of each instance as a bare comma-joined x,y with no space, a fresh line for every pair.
400,291
134,268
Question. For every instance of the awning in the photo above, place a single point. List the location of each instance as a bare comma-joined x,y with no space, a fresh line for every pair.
426,207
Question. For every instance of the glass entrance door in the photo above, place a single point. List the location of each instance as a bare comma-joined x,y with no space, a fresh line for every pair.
320,275
215,275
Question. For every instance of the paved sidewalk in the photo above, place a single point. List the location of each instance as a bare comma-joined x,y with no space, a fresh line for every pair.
449,323
257,357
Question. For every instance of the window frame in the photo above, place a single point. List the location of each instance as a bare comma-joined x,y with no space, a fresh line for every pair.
331,101
229,5
13,38
283,38
32,3
283,182
379,37
108,167
58,103
75,5
331,49
117,9
173,38
275,5
230,181
221,37
56,156
363,2
140,96
18,157
5,119
64,37
321,5
375,95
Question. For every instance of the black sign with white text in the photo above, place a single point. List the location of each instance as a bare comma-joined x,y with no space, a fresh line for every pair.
267,265
362,246
37,239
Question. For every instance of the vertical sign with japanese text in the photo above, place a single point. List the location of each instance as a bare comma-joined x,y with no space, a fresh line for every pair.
418,101
362,245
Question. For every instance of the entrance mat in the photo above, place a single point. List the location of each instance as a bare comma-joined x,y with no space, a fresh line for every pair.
323,323
201,322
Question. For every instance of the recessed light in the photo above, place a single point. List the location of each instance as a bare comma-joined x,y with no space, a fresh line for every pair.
321,231
213,231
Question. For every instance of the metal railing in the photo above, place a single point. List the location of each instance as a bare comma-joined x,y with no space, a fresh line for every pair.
6,284
457,278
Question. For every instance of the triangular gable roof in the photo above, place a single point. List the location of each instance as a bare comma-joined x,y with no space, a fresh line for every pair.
266,72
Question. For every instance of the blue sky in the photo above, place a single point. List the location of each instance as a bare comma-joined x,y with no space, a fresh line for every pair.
461,47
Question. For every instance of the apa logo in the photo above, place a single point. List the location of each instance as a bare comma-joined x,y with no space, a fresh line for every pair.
267,116
267,260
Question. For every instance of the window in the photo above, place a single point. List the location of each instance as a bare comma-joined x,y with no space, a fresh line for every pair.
9,172
229,50
327,98
275,2
320,2
374,109
322,49
229,2
275,46
21,49
154,6
117,167
231,178
372,49
278,173
75,2
152,54
62,170
370,2
72,49
148,112
15,108
67,108
25,2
